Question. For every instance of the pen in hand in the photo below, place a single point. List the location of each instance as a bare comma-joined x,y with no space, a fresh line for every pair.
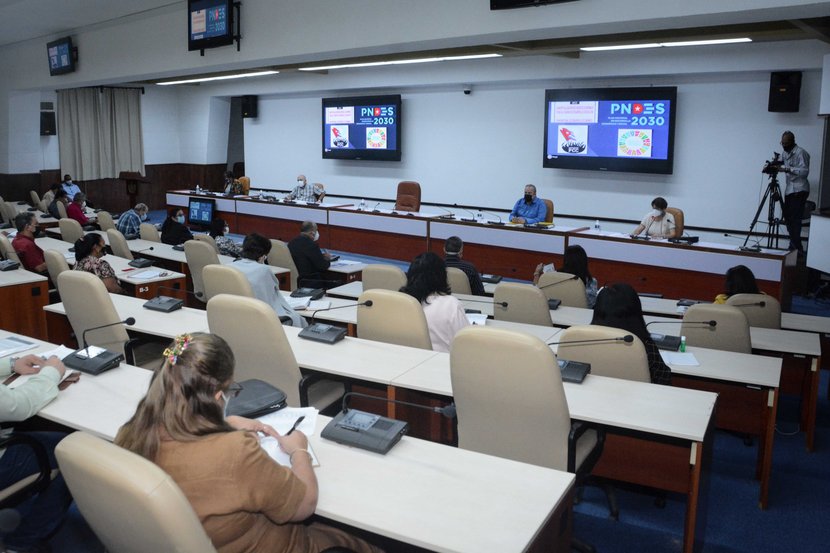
296,424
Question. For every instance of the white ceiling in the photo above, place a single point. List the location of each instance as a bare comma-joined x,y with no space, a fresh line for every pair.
28,19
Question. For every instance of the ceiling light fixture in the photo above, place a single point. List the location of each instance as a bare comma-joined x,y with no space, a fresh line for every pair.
221,78
399,62
666,44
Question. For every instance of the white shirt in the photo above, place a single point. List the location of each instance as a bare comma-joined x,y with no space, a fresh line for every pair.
267,288
664,228
445,317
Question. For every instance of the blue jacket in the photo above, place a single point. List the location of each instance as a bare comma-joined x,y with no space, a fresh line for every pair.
533,213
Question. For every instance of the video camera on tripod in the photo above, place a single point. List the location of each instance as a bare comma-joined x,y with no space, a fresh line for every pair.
774,165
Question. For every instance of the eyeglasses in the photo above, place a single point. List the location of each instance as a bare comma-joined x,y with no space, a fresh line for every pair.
234,389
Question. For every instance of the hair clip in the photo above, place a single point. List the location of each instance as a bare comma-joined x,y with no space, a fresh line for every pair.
179,346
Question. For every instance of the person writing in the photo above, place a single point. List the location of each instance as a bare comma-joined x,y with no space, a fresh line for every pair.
796,167
528,209
453,253
305,192
129,224
426,281
30,254
619,306
657,223
88,253
244,500
310,260
739,280
255,249
173,231
43,515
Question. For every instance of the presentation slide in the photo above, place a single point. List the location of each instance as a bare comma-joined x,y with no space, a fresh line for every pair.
209,22
360,127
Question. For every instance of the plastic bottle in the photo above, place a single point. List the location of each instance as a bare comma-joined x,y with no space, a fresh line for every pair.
682,343
596,225
198,189
479,216
362,205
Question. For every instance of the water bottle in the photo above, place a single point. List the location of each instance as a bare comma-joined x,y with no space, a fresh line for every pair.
479,217
362,205
682,343
596,226
198,189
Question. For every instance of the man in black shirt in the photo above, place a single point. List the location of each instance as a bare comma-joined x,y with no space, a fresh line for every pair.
310,260
453,248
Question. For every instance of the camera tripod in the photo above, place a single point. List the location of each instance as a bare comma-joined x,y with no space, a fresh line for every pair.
773,194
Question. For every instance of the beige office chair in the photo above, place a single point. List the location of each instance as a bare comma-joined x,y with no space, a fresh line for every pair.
62,210
71,230
394,318
118,244
322,187
149,232
677,213
207,239
549,210
199,255
246,185
224,279
130,503
384,277
564,287
7,250
43,206
35,198
105,220
262,351
9,212
55,264
496,395
459,283
525,303
761,310
280,256
730,334
626,360
88,304
408,197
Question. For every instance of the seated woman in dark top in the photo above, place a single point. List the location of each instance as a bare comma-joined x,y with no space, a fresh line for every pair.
739,280
88,253
173,231
618,306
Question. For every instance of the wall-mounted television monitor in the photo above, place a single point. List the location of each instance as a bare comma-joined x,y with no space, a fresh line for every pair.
209,24
200,211
611,129
61,56
367,127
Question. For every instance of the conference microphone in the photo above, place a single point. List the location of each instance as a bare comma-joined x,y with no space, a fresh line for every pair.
704,323
375,209
553,303
672,343
141,263
743,247
466,219
753,304
628,338
448,215
576,371
167,304
98,360
369,431
494,303
326,333
499,222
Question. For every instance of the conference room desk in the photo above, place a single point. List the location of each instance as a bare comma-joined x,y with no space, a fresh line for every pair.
22,297
678,270
656,434
353,289
430,507
167,282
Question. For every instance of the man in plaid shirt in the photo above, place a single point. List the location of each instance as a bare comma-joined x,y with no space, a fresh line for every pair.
305,192
130,221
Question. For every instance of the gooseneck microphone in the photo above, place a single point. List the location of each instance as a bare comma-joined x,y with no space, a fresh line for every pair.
447,410
367,303
129,321
375,209
448,215
470,219
499,222
326,333
558,282
753,304
628,338
140,262
493,303
702,323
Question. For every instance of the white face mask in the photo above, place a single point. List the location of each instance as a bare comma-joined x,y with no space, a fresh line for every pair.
226,230
300,182
657,213
83,205
316,236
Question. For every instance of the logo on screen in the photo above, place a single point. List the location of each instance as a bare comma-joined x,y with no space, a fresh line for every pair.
378,111
574,139
638,108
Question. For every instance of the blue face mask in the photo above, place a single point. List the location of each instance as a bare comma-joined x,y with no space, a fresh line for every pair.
180,219
143,217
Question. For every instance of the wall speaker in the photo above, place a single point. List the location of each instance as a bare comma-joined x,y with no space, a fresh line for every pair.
784,91
47,123
249,106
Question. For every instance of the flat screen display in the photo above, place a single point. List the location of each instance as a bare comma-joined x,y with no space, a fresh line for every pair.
61,56
611,129
362,128
209,23
200,211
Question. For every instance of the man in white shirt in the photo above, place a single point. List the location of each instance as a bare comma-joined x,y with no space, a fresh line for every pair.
43,515
305,192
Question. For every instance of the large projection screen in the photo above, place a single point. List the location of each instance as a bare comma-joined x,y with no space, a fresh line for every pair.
818,251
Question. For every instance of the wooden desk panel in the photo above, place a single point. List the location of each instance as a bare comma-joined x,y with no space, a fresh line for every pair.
22,310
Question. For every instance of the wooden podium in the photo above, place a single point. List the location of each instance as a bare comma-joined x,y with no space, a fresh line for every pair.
132,178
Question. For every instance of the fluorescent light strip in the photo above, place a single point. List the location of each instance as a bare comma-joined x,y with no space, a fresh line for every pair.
221,78
666,44
400,62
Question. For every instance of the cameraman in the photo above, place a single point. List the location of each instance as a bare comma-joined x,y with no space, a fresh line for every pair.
796,165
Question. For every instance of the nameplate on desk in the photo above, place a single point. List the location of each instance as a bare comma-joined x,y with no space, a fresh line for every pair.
365,430
165,304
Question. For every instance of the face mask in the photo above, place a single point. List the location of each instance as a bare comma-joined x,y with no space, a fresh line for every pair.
316,236
83,205
657,213
788,148
528,198
225,409
300,182
226,230
180,219
142,217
